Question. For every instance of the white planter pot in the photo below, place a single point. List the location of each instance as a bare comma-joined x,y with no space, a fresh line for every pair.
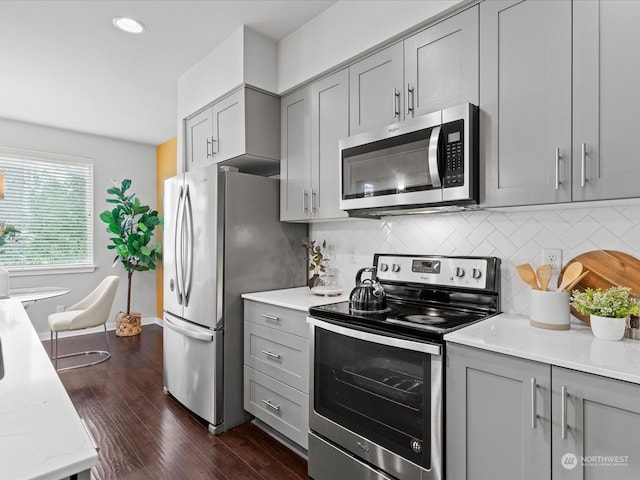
607,328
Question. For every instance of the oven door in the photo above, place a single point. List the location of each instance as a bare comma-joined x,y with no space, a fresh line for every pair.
377,397
394,166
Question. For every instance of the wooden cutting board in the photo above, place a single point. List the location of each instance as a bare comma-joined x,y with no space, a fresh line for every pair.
607,268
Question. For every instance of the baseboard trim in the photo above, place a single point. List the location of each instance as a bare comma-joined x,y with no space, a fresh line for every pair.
110,326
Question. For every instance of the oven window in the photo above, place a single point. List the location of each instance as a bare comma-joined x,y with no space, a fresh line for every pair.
396,165
379,392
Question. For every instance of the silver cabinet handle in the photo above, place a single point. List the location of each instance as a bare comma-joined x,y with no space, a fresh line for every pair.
273,407
314,195
558,168
270,317
305,197
410,104
271,354
396,103
583,165
209,155
534,416
214,142
563,412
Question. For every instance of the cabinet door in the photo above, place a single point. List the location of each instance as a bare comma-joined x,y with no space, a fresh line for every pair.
498,416
606,100
600,420
329,123
525,102
198,141
441,65
295,164
375,88
229,127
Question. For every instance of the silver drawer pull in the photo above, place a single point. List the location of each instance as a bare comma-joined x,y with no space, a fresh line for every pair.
270,317
271,354
273,407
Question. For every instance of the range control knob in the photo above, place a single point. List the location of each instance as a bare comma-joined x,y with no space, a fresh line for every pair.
459,272
384,267
395,267
476,273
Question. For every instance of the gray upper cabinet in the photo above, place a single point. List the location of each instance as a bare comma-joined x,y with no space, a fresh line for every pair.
375,88
314,119
594,417
295,164
525,102
240,129
498,420
198,134
441,65
606,99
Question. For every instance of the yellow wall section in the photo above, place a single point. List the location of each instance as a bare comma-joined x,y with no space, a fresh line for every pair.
166,167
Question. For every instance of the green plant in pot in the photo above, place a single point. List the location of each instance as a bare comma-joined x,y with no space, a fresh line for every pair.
133,225
608,310
317,259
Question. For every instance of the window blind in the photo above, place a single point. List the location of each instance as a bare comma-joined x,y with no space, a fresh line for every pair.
49,199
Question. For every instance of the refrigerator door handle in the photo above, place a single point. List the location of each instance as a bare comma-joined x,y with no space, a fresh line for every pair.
205,337
189,247
177,252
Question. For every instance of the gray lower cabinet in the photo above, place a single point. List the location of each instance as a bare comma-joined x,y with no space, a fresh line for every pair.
498,412
511,418
558,101
276,369
240,129
596,427
314,119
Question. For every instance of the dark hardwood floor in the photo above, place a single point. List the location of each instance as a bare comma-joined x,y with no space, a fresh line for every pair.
144,434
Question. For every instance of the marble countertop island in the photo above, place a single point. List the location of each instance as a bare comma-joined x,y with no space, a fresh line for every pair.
41,434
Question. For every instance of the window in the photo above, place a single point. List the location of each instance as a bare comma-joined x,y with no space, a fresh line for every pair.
48,198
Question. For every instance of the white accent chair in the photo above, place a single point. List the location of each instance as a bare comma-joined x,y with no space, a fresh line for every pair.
90,312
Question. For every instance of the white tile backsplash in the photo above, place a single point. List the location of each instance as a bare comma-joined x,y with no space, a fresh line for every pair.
516,237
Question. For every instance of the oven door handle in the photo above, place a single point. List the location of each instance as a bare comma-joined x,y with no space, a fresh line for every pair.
423,347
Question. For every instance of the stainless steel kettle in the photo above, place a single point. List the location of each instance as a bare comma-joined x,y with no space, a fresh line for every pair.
368,295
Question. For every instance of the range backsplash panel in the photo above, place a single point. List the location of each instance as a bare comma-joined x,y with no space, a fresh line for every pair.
516,236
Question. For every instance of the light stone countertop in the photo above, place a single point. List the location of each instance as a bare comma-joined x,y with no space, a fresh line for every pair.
299,298
575,348
41,434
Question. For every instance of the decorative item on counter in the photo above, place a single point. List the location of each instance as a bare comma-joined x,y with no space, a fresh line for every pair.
317,259
133,225
608,310
550,310
328,283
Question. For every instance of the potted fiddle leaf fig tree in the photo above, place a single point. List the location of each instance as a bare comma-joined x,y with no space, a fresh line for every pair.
133,225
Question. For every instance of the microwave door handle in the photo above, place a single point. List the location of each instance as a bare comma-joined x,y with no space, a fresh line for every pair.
434,141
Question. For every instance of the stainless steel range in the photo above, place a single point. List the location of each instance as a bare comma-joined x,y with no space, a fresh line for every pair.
377,381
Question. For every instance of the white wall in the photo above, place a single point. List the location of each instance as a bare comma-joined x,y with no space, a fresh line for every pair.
113,159
346,29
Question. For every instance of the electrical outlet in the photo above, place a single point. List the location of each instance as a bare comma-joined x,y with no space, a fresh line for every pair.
553,257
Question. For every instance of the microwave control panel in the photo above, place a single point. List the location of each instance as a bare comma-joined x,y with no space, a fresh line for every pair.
453,149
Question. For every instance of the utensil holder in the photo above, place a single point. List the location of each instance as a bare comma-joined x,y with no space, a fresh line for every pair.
550,310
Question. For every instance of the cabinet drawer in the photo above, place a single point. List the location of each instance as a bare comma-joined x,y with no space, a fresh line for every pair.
277,354
281,407
280,318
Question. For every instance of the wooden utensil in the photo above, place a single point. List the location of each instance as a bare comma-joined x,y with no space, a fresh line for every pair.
569,287
543,274
528,275
572,272
607,268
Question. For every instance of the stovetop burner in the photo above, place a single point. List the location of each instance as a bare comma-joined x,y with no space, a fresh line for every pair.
426,296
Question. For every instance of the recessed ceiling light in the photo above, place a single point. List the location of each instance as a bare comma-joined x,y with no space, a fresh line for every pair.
128,25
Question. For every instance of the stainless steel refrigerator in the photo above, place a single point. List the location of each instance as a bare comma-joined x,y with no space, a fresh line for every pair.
222,238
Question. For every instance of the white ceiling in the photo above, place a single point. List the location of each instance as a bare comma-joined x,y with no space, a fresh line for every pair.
64,64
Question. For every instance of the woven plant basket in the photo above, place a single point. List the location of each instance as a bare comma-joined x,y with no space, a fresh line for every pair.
128,325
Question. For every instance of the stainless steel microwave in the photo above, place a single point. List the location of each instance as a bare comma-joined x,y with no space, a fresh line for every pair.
412,166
